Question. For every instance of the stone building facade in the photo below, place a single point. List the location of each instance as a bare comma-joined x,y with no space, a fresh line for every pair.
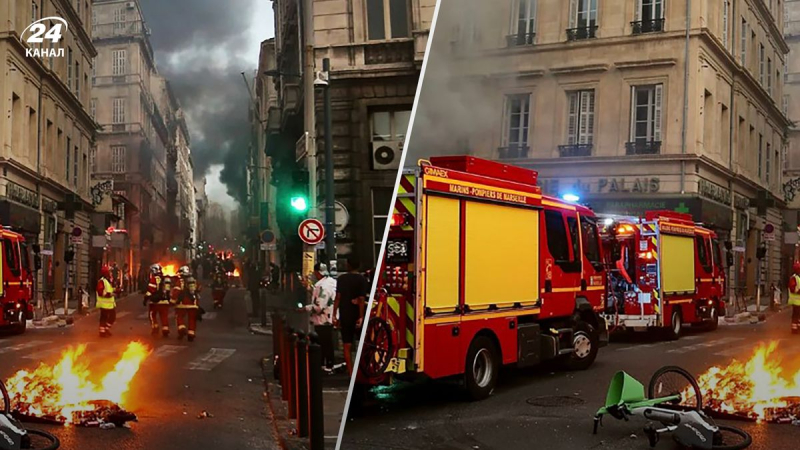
631,105
376,49
791,107
46,134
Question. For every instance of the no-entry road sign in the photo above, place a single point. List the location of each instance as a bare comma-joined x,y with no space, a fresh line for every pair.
311,231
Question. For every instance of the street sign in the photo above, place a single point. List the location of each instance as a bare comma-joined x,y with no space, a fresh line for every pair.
267,236
311,231
341,215
268,247
769,232
769,237
77,240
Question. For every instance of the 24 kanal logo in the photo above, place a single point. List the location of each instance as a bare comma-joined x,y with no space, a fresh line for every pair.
47,29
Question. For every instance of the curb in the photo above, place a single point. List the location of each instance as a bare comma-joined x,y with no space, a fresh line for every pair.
258,329
282,427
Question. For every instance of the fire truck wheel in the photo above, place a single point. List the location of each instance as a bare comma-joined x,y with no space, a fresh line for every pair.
482,368
675,330
713,324
23,323
585,346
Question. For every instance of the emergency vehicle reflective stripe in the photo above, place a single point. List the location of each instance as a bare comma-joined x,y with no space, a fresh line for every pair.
794,299
405,201
107,300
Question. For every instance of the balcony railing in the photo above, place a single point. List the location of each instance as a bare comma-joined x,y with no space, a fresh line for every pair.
389,52
648,26
513,151
576,34
116,29
573,150
518,40
643,148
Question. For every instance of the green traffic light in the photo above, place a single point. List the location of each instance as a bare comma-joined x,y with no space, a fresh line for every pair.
299,204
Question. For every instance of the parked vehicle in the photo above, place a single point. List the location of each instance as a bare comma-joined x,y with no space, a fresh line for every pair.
480,271
16,281
665,271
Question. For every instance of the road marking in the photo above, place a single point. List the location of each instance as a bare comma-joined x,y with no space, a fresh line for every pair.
122,314
656,344
209,316
702,345
211,359
746,351
168,350
23,346
144,316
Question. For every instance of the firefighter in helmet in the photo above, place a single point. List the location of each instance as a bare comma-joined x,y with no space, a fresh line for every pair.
185,297
160,303
153,283
106,301
794,297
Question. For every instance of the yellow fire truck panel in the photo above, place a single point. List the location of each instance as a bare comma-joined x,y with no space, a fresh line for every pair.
443,218
677,263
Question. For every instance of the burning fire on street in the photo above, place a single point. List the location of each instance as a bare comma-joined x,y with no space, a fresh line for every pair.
761,388
169,270
66,393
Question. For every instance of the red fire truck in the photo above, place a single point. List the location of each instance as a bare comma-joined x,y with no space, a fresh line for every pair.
665,271
481,270
16,281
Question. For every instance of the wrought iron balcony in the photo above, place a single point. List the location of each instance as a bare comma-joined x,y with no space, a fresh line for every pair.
389,52
573,150
518,40
513,151
643,148
648,26
575,34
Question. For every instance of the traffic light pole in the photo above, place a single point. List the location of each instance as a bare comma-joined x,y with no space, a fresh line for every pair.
330,207
310,122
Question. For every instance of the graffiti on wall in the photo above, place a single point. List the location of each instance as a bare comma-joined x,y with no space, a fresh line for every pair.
101,195
790,190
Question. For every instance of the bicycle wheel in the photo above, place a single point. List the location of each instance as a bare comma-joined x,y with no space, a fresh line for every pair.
40,440
673,380
731,438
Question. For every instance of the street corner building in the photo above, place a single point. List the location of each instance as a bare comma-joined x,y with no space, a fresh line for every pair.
46,137
629,105
376,49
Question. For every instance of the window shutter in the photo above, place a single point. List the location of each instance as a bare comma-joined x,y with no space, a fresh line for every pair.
589,135
657,113
572,132
532,16
637,11
584,119
573,8
506,120
632,134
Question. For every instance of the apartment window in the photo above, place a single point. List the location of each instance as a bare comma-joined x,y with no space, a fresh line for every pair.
726,7
389,125
78,7
93,108
760,155
769,76
580,128
381,205
85,178
525,23
75,167
785,105
69,68
388,19
761,57
119,59
118,158
118,113
516,129
34,11
94,17
119,18
68,151
785,72
77,79
646,118
769,162
582,19
743,43
93,159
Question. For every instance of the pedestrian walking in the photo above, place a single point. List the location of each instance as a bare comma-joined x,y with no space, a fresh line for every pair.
106,301
348,308
794,297
186,300
320,309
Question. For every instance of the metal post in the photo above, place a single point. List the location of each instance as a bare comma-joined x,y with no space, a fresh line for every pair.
316,416
308,107
277,333
330,208
302,386
262,300
292,379
285,361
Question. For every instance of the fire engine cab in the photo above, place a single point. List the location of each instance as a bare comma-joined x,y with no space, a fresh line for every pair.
481,270
664,271
16,281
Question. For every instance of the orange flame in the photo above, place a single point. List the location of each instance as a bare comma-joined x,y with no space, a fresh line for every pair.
236,273
60,390
169,270
751,388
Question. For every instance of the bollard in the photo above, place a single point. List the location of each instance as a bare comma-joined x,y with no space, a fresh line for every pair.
316,415
291,380
277,331
302,386
285,369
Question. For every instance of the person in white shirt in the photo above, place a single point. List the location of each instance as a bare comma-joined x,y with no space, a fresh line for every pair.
320,309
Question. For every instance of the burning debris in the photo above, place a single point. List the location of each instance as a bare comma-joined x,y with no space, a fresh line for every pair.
758,389
63,393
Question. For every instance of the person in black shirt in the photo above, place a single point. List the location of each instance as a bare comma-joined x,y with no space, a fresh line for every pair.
351,292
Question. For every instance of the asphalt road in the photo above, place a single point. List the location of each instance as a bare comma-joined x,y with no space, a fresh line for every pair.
219,373
433,415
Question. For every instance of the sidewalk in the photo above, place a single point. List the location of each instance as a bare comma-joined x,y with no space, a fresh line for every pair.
334,389
60,320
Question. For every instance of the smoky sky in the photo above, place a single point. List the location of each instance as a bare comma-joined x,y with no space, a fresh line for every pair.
198,46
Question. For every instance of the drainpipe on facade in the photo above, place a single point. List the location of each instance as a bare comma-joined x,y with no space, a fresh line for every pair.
685,95
35,284
732,270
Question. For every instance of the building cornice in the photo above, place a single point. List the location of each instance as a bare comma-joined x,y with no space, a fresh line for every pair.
82,34
583,68
772,27
648,63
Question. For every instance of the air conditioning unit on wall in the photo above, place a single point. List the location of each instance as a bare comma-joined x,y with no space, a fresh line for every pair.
386,154
130,5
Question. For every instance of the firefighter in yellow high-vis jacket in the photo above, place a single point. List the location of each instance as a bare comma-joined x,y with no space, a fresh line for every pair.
106,301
